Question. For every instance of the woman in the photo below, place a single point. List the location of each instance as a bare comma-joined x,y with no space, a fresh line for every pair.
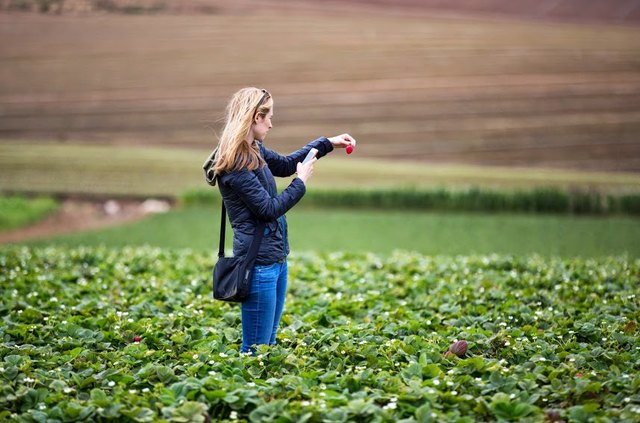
245,171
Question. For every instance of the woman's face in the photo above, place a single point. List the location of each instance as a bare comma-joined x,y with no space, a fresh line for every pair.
261,125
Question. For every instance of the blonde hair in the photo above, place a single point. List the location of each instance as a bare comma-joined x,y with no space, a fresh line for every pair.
236,149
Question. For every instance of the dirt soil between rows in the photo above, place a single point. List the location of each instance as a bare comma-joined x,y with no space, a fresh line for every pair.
79,215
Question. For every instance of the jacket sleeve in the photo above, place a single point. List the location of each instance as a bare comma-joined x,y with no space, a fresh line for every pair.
284,166
247,186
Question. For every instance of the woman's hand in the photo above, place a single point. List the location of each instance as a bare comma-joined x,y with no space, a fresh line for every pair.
306,170
342,141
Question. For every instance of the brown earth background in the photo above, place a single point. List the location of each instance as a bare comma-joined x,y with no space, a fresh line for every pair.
551,84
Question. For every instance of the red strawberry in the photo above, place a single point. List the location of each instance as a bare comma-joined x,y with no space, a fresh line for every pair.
136,339
459,348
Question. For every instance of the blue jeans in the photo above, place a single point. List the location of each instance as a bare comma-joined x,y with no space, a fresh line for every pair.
262,310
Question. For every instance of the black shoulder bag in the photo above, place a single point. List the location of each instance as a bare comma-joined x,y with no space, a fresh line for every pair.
232,275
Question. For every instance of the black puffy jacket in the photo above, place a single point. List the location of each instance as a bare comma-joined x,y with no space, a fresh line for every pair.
250,196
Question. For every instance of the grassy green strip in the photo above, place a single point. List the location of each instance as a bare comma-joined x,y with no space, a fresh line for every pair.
16,211
382,232
537,200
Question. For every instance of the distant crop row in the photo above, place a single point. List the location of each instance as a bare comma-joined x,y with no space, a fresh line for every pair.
133,335
59,6
536,200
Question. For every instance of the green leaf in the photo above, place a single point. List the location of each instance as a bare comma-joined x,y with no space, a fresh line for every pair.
505,408
167,397
423,414
36,416
214,395
100,398
190,411
139,414
111,411
473,364
413,371
14,360
165,374
76,411
361,407
583,413
267,412
431,371
232,335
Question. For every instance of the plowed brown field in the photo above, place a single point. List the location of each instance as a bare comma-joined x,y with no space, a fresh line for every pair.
472,91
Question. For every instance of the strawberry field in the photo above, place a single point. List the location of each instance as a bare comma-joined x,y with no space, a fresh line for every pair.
133,335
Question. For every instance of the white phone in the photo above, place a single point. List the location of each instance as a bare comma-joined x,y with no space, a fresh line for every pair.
310,155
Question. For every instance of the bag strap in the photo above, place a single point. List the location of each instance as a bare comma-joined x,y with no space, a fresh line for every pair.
255,243
223,227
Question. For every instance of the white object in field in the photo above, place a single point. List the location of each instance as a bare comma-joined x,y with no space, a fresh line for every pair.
155,206
111,207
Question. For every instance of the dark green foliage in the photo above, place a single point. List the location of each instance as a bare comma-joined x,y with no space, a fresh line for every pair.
625,204
538,200
42,6
55,6
133,9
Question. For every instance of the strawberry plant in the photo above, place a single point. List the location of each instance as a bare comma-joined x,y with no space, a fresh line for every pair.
132,334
